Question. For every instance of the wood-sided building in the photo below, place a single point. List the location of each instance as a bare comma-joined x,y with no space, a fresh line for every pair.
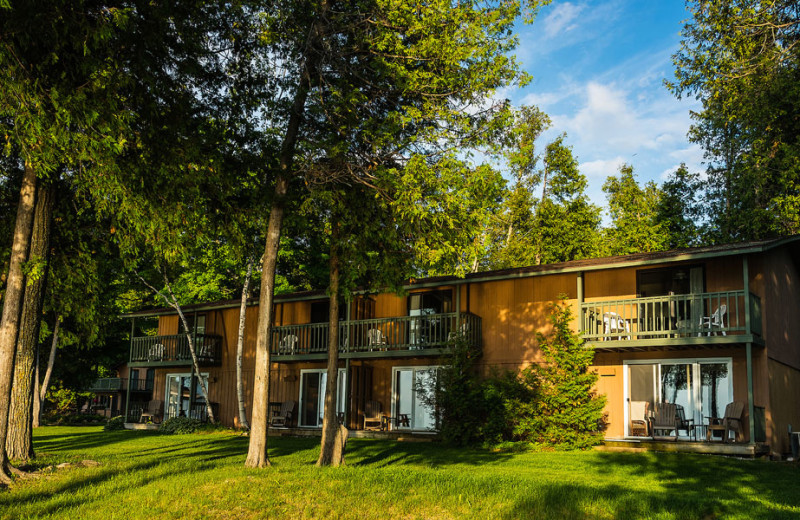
697,327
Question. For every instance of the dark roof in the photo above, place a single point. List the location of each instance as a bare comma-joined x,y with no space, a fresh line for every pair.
589,264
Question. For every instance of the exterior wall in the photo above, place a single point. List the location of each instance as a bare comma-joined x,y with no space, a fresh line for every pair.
513,311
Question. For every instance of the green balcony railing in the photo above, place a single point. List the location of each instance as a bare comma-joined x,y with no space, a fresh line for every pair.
431,331
673,316
175,349
108,384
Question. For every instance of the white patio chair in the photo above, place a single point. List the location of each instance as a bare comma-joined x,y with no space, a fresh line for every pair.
288,344
614,323
375,338
715,322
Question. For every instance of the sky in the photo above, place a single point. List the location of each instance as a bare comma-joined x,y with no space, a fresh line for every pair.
598,71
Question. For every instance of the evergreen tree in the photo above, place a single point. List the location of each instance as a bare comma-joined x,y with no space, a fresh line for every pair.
568,412
679,209
635,227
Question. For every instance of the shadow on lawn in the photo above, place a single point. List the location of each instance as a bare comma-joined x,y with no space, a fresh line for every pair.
387,453
688,486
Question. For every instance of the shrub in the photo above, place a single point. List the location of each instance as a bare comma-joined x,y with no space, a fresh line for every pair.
180,425
115,423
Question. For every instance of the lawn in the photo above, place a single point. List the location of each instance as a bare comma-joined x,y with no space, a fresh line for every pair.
147,475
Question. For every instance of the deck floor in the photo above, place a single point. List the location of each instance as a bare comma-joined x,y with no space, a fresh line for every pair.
680,446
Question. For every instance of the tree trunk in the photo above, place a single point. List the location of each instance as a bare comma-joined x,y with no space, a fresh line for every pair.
240,347
38,406
329,455
19,444
12,306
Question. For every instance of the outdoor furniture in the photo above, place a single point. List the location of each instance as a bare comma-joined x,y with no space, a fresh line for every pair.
613,322
715,322
638,418
731,422
373,415
288,344
375,338
154,411
684,423
665,419
283,418
156,352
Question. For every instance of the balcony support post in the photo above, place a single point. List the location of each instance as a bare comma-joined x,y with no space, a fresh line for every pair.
580,302
746,283
751,422
130,358
458,309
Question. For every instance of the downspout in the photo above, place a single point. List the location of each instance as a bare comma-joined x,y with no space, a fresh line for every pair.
580,302
130,360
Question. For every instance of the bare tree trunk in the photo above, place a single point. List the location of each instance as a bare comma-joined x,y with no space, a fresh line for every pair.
12,307
19,444
172,301
38,405
332,433
240,347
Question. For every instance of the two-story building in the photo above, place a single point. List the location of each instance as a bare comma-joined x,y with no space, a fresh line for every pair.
699,328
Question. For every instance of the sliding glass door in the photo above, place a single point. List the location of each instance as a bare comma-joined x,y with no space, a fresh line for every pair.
412,390
178,396
312,395
703,387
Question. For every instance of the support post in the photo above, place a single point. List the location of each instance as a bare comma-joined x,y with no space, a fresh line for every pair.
580,301
347,380
458,309
130,358
746,287
750,405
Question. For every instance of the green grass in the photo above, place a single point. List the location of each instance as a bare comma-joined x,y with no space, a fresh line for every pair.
147,475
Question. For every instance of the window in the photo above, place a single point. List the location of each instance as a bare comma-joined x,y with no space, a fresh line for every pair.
673,280
178,396
198,323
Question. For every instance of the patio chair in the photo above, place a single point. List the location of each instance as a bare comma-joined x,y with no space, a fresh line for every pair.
373,415
283,418
638,418
154,411
156,352
288,344
375,338
665,419
715,322
613,323
731,422
683,423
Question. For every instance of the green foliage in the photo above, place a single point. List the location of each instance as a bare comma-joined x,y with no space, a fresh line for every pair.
115,423
181,425
742,60
567,413
635,227
679,209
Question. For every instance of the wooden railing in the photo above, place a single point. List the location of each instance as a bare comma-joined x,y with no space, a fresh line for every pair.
175,349
680,315
379,334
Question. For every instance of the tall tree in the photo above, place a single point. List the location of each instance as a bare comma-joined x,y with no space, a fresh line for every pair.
633,210
742,59
388,83
679,210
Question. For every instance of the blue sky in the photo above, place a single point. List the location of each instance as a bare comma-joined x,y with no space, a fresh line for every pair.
598,71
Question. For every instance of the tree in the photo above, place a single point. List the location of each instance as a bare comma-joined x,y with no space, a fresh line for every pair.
377,84
679,210
569,412
633,210
742,59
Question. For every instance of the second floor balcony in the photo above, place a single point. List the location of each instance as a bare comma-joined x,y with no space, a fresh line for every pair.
401,336
715,317
174,350
116,384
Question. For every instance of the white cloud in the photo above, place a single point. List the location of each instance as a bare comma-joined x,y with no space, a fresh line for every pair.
602,168
561,19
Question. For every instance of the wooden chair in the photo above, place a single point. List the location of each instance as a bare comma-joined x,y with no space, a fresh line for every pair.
373,415
154,411
731,422
638,418
665,419
684,423
283,418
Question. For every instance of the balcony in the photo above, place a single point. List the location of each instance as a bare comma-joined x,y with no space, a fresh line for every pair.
402,336
174,350
684,319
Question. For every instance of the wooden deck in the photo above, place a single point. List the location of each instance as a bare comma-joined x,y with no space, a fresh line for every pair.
400,436
709,448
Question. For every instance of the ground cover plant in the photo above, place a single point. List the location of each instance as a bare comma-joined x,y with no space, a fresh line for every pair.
150,475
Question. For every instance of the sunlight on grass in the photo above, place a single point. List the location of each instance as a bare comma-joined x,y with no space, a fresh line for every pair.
147,475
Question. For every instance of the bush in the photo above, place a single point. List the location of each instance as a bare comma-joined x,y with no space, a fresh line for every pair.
181,425
115,423
72,419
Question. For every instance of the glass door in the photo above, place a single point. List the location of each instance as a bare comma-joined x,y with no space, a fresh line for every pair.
312,395
413,397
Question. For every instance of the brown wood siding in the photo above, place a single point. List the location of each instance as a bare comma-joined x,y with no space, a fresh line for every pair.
784,410
780,307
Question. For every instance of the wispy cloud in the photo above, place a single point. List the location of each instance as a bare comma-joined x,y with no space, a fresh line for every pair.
562,18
